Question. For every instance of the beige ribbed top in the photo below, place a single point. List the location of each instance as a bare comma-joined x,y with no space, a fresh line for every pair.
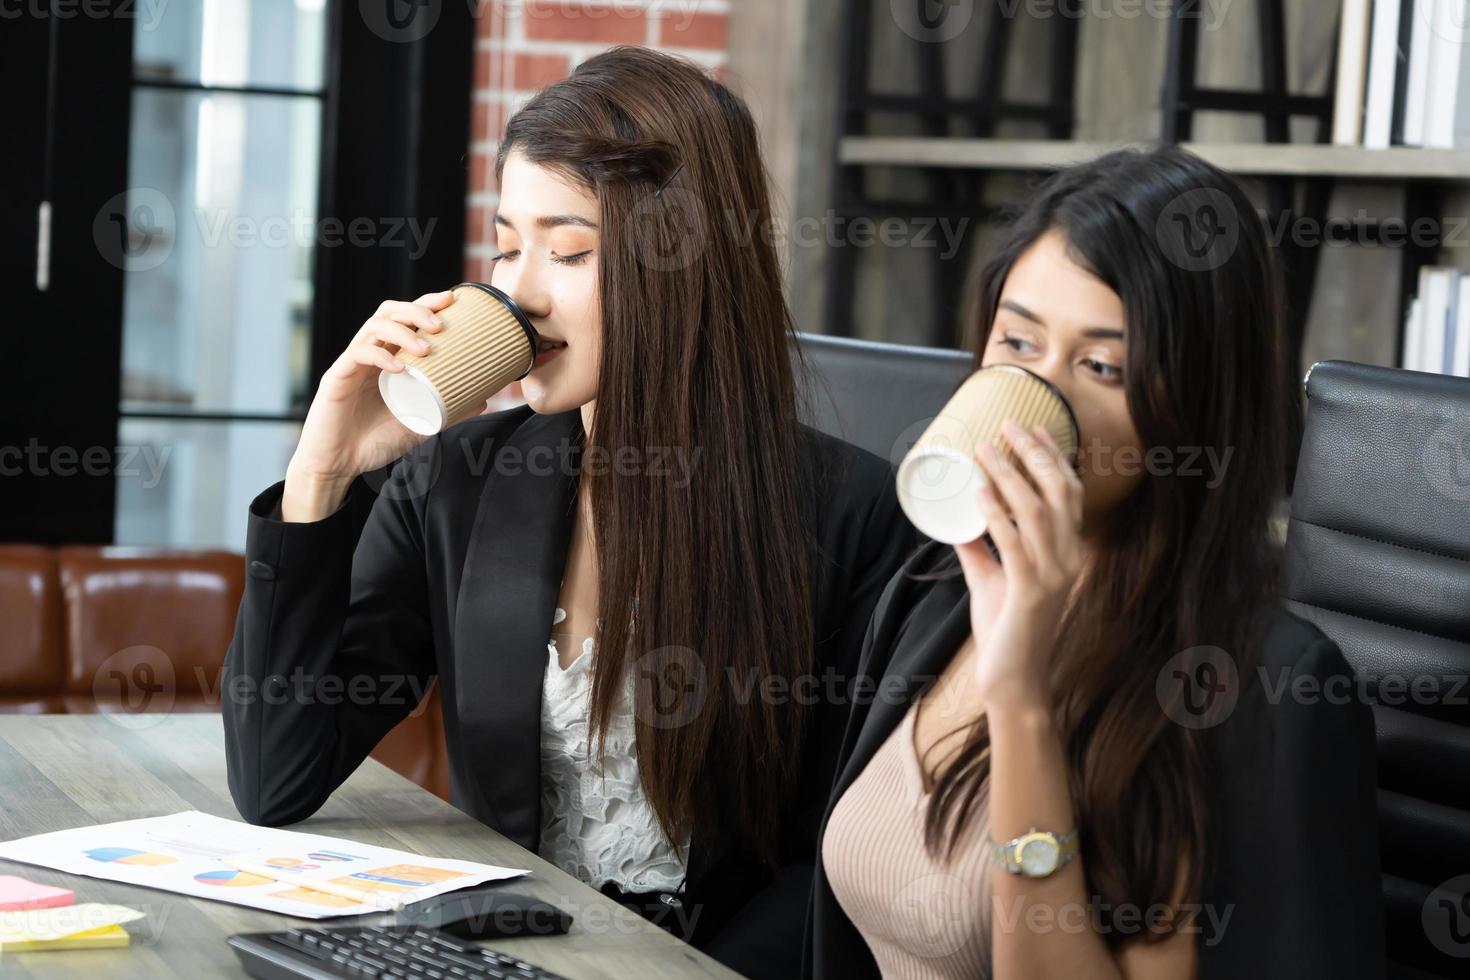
922,917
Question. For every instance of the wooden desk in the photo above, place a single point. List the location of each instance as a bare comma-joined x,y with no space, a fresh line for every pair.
64,771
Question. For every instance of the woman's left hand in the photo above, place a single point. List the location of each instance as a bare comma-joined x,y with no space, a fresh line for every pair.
1038,536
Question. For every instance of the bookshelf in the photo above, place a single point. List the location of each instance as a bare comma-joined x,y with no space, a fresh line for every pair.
1398,163
946,147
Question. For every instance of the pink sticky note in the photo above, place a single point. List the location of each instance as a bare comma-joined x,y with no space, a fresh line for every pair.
17,893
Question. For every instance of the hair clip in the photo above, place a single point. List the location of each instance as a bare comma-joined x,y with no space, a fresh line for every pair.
669,179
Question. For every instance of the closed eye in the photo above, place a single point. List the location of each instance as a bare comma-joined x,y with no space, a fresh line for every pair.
577,259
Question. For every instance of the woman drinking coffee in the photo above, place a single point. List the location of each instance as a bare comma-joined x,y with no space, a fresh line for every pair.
605,581
1094,764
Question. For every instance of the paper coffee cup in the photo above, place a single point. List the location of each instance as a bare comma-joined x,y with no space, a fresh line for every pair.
939,479
487,342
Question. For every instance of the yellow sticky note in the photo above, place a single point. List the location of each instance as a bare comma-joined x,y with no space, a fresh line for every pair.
88,924
104,938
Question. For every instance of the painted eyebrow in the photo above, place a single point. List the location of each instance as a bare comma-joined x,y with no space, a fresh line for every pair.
551,221
1095,333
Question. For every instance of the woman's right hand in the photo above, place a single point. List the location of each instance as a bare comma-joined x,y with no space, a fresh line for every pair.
348,429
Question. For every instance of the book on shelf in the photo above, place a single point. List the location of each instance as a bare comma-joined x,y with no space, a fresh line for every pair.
1383,71
1445,32
1352,73
1437,327
1403,78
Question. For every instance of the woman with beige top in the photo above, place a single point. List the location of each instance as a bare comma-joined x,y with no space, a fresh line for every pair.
1085,772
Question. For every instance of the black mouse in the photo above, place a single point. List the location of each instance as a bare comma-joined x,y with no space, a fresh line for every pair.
478,913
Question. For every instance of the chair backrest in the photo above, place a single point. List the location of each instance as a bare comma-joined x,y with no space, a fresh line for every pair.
877,396
146,629
1378,556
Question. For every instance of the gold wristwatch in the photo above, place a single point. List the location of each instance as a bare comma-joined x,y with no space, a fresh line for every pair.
1035,854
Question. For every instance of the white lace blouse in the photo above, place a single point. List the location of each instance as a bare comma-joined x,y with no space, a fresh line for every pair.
596,824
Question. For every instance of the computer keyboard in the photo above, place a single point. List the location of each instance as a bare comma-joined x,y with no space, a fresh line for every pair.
388,952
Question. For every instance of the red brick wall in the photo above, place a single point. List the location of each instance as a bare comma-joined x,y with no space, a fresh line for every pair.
524,45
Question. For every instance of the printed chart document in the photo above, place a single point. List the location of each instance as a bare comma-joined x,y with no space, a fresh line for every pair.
304,875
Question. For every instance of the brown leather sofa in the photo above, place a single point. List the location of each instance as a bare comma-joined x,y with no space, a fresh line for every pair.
88,628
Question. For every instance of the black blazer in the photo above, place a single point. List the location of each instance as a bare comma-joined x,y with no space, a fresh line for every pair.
1296,870
448,563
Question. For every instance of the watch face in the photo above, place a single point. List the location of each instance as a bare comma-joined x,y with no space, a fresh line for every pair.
1039,857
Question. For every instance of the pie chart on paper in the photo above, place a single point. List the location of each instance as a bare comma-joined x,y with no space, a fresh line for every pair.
232,878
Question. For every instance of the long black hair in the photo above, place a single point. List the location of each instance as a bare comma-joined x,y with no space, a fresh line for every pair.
1180,564
695,356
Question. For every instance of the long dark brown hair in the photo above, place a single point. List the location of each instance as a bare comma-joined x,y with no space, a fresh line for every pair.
699,580
1179,565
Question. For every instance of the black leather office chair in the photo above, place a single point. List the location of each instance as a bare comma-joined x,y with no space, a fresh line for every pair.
877,396
1378,556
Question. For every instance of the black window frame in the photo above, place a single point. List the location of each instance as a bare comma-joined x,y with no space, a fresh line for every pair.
394,145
